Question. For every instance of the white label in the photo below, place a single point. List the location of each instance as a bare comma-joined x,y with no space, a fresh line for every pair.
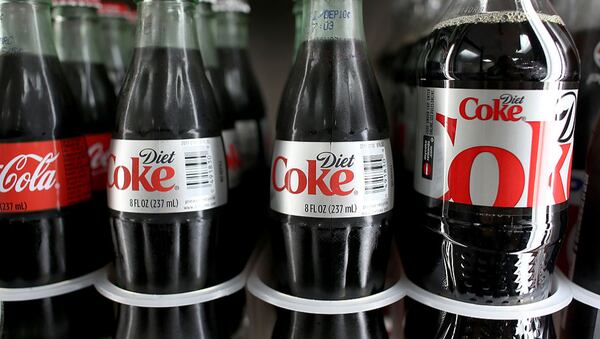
332,180
500,148
232,154
249,142
167,176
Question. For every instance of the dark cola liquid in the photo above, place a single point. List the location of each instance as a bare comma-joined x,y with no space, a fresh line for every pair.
166,96
477,246
93,90
325,258
49,246
97,104
295,325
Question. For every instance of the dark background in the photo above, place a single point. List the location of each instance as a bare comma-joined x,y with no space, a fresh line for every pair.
272,41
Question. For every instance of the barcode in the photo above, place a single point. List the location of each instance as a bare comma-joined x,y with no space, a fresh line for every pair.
198,173
375,173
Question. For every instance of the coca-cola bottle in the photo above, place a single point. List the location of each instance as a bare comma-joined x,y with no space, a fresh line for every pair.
332,174
232,34
586,29
167,183
117,40
494,145
75,31
45,231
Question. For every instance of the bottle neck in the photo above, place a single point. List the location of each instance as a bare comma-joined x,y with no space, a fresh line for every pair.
75,31
232,30
333,19
26,27
167,24
299,24
204,17
116,36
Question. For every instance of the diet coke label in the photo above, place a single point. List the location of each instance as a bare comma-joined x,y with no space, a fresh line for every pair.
43,175
332,180
167,176
232,154
98,151
497,148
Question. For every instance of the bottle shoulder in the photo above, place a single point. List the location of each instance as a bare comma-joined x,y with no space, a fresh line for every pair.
332,94
241,83
35,103
505,51
166,95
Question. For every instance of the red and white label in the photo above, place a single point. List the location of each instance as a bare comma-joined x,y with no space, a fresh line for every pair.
98,151
43,175
499,148
234,159
332,180
167,176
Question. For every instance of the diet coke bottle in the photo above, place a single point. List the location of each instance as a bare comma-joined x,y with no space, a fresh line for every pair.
332,184
167,177
498,90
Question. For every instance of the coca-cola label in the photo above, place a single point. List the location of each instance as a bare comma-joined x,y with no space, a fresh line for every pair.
248,133
98,151
332,180
166,176
232,154
498,148
43,175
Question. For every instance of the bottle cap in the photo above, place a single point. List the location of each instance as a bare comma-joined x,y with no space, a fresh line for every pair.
122,296
50,290
77,3
231,6
117,9
560,298
585,296
364,304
